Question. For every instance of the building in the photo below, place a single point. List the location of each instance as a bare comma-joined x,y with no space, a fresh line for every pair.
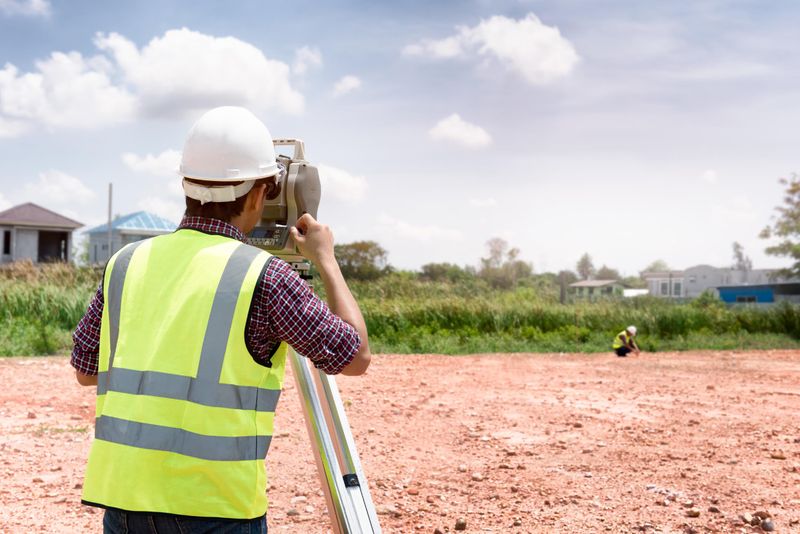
694,281
125,229
701,278
666,284
761,293
596,289
31,232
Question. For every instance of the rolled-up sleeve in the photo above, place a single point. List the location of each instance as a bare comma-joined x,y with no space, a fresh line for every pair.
301,319
86,338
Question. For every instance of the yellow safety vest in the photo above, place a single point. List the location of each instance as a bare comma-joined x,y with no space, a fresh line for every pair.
184,414
618,342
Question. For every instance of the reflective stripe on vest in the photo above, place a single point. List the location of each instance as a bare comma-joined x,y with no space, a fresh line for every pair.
205,389
618,342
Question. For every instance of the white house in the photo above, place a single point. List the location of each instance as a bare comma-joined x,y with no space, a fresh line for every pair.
125,229
31,232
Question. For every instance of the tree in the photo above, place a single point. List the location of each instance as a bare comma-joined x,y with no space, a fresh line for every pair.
740,261
585,267
565,278
656,266
607,273
498,248
437,272
502,268
362,260
786,228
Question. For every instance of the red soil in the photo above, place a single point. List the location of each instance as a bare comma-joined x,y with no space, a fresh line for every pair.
510,443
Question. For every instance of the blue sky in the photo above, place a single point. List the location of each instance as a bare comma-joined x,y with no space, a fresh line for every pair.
629,130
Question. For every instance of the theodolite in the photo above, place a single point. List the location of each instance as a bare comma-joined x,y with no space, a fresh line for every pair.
342,478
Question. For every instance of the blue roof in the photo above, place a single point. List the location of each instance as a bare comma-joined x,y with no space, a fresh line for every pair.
141,220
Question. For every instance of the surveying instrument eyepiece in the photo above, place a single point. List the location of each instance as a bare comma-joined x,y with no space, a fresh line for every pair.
339,468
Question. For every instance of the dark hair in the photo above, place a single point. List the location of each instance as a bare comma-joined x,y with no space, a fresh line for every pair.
225,211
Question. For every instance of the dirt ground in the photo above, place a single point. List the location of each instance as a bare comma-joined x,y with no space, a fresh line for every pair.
509,443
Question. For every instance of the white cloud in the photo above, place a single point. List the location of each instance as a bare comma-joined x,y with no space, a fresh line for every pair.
346,84
533,50
30,8
446,48
65,90
341,184
4,204
60,189
483,202
176,74
459,131
710,176
426,232
164,164
185,71
305,58
171,210
11,128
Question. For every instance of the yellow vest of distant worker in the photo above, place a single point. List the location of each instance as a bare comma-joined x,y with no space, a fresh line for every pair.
184,414
618,342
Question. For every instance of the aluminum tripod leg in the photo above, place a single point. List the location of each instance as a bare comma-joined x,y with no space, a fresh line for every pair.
343,482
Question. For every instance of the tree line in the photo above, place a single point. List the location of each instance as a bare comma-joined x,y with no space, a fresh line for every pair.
502,267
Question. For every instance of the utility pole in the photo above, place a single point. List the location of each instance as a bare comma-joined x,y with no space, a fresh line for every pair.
109,220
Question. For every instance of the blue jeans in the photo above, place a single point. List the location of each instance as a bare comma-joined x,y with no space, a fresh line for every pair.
119,522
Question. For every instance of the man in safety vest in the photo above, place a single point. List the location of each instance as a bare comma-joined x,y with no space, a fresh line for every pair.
186,341
624,343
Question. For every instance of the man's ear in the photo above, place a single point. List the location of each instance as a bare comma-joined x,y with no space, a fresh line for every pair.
255,195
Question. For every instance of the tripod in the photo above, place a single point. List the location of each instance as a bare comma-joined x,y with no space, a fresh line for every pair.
339,468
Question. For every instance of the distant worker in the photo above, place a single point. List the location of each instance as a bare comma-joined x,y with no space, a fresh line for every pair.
624,343
186,340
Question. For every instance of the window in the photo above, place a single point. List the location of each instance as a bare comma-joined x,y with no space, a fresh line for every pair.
7,242
746,299
665,288
692,279
676,289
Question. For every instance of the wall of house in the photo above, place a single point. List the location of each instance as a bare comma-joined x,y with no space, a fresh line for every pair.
759,294
675,287
26,244
5,258
98,246
701,278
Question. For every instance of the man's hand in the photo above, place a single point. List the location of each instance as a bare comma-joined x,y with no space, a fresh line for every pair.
313,240
85,380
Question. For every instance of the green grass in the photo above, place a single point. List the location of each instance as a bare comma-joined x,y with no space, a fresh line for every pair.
40,306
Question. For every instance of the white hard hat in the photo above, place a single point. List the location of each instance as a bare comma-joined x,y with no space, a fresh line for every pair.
226,144
632,330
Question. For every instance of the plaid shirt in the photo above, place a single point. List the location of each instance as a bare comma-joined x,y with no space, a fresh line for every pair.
283,309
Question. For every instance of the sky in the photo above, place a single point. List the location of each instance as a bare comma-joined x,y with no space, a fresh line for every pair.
628,130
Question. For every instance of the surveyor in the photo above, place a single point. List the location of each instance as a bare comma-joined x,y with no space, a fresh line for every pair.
624,343
186,340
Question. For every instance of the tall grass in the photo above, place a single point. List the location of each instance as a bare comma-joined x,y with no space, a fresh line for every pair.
408,315
41,305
